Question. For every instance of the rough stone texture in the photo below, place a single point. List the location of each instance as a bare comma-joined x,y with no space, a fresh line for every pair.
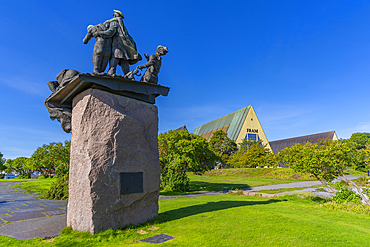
264,195
111,134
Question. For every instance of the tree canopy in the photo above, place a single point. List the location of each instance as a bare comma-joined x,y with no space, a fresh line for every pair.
359,140
48,158
2,162
357,143
325,160
54,156
222,146
253,154
19,165
179,152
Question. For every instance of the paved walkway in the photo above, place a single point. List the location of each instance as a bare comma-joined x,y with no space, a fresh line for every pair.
29,216
257,188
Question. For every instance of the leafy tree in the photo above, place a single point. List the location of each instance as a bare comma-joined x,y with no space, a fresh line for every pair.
253,154
359,140
2,162
366,152
357,143
222,146
20,165
325,160
54,156
180,152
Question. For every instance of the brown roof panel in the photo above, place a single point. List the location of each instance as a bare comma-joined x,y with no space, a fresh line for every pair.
182,128
279,145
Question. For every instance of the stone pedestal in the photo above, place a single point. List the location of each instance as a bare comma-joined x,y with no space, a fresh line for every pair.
114,175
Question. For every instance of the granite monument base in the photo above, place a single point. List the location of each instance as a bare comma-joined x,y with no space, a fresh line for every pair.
114,176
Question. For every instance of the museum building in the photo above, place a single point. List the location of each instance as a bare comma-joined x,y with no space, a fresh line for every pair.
244,124
238,125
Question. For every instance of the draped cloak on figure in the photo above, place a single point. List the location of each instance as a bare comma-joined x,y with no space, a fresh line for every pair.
123,45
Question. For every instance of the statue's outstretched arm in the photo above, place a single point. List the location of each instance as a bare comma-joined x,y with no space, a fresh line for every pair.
148,64
87,38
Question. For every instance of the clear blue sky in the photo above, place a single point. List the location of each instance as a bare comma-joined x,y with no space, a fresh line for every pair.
303,65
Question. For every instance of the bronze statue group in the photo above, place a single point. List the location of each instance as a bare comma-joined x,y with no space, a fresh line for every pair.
115,45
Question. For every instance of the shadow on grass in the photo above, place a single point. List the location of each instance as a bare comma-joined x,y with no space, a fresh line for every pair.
207,186
207,207
196,186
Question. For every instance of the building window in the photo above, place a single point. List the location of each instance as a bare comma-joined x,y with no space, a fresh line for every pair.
252,137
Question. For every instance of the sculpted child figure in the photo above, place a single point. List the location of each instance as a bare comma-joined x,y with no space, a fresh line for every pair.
153,65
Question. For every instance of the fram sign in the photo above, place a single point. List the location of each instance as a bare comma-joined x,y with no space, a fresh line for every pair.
252,130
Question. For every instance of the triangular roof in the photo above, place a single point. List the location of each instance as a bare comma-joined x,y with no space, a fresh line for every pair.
182,128
279,145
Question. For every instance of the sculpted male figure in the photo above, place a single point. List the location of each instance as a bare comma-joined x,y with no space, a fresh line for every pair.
124,50
102,48
153,65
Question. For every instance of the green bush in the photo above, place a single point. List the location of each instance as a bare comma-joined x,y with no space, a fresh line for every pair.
345,194
175,181
59,189
366,191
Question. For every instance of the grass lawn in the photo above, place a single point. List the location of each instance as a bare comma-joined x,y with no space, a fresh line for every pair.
36,186
214,180
213,183
351,172
240,178
230,220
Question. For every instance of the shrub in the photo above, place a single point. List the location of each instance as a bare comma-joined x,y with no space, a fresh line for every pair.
176,181
59,189
345,194
366,191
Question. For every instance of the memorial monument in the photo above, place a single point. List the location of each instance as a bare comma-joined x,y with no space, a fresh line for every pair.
114,174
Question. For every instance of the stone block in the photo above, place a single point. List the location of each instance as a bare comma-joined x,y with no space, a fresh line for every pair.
112,135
